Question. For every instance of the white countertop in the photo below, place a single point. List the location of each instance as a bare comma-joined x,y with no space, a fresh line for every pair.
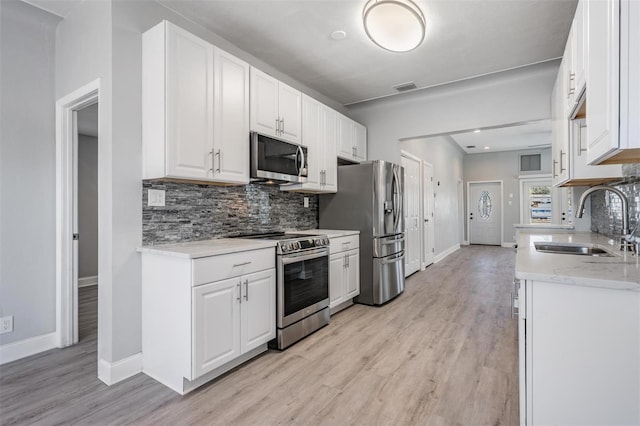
205,248
543,226
619,272
331,233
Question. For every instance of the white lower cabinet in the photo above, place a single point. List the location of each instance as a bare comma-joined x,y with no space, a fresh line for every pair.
201,317
344,272
579,355
230,318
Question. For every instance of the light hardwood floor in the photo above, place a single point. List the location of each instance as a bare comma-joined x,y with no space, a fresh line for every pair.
442,353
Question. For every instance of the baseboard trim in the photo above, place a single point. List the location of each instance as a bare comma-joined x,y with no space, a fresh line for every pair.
508,245
447,252
87,281
465,243
27,347
114,372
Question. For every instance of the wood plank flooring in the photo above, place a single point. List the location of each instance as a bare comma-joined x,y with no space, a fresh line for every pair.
442,353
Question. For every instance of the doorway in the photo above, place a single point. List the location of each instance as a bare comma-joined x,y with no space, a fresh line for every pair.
412,219
484,206
84,103
428,227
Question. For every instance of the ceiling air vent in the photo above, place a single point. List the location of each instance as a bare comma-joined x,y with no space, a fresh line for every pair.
404,87
470,146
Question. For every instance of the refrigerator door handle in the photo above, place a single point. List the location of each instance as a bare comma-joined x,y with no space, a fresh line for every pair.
397,202
394,259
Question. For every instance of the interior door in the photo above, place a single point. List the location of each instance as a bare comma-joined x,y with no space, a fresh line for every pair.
428,217
412,214
485,216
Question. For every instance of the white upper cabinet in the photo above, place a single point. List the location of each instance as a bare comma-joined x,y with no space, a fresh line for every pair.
231,122
560,129
195,109
319,136
276,109
352,140
613,66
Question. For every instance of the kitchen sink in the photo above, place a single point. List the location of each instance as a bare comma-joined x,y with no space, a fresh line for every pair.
568,248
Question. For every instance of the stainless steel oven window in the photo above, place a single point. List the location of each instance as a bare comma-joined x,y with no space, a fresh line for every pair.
303,285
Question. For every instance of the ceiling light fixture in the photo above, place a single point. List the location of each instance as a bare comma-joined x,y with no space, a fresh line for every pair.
338,35
487,147
395,25
477,131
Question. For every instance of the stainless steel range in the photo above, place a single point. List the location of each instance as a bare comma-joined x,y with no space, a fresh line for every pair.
302,290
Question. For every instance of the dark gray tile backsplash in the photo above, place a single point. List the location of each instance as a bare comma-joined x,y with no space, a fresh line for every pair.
201,212
606,210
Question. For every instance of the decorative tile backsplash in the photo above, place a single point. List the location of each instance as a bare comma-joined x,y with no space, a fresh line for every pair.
200,212
606,209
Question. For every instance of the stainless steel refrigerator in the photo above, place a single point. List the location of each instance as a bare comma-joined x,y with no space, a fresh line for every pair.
370,199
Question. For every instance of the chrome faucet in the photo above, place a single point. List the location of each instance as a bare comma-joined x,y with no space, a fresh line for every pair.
624,244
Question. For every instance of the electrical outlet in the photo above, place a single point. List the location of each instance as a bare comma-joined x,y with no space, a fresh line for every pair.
306,201
155,198
6,324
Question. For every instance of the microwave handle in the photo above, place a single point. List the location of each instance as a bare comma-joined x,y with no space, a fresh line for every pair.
300,153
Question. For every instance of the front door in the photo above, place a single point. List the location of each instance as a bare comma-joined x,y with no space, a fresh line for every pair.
485,216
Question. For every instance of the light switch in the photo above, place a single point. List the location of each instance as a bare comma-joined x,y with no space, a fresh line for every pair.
155,198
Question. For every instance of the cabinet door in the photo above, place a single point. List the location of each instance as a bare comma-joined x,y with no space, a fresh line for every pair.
580,48
216,325
337,263
264,103
189,104
353,274
360,142
231,133
560,132
311,138
345,138
329,144
603,22
290,107
258,307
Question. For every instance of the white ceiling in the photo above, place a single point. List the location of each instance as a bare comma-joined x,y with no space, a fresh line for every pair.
464,39
535,135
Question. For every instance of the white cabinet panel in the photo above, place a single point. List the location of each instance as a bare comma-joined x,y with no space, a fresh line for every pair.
311,138
264,103
231,146
290,112
344,271
346,134
216,321
276,109
257,308
329,143
360,142
352,288
336,279
189,104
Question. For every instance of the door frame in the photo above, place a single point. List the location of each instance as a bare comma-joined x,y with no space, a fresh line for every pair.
66,156
469,183
529,178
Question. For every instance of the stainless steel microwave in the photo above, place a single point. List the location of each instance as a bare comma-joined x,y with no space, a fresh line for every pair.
276,160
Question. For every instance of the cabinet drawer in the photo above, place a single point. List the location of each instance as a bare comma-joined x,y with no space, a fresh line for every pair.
215,268
336,245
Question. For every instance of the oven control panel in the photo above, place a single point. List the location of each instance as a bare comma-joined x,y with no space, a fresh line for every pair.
303,243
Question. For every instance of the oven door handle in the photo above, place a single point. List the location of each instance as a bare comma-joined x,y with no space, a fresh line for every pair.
293,258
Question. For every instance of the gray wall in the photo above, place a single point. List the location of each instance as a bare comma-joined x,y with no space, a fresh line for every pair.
200,212
27,170
87,206
447,160
606,209
503,166
508,97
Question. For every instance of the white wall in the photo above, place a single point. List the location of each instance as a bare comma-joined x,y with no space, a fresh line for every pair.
504,98
447,160
504,166
87,205
27,170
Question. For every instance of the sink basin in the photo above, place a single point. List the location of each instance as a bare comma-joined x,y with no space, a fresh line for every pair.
578,249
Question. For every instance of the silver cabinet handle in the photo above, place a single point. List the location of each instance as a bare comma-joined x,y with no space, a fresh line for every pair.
239,298
555,175
235,265
219,155
282,128
562,169
246,290
212,161
354,151
277,126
